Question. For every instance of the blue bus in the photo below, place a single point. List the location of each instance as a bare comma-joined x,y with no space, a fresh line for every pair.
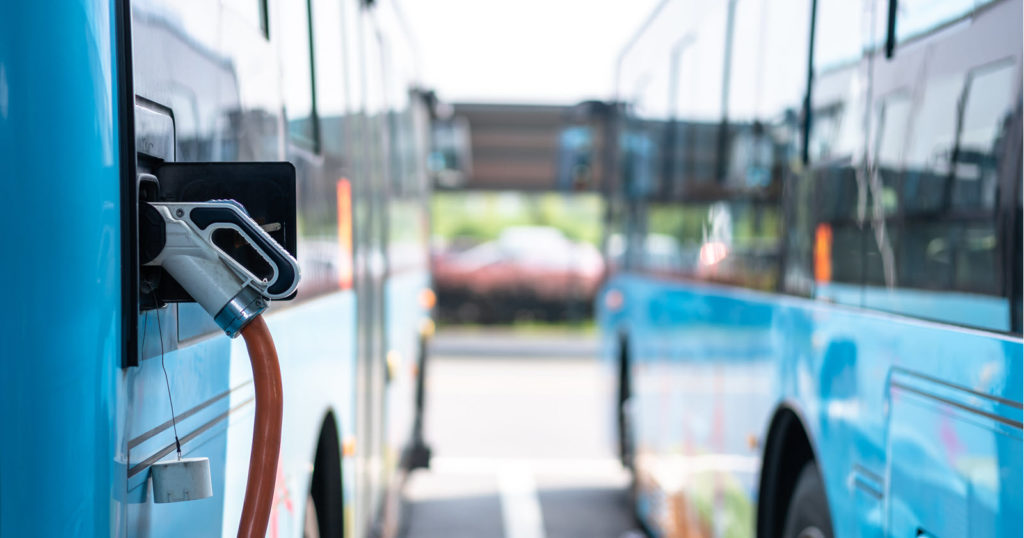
813,308
98,100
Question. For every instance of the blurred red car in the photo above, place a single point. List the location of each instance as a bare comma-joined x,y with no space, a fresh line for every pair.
531,272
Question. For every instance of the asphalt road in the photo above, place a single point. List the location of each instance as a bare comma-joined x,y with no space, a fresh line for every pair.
522,444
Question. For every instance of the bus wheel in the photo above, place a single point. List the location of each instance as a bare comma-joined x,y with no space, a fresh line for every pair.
808,516
625,436
622,410
311,527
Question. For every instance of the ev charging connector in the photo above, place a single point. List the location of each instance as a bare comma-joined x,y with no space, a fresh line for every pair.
234,297
178,238
226,289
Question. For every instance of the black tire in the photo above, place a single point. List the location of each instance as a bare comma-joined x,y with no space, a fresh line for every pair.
627,450
808,515
325,489
625,436
622,411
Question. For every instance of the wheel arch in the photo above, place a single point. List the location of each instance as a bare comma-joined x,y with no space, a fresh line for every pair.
788,447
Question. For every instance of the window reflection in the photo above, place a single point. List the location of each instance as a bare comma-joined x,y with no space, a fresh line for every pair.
298,74
930,148
944,232
984,125
898,208
915,17
837,33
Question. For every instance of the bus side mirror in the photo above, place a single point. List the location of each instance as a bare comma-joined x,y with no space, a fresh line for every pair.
450,160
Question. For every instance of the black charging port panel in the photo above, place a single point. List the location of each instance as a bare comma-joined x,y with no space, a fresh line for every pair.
265,189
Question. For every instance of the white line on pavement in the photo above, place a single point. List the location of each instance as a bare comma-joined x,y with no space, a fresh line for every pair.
520,507
559,466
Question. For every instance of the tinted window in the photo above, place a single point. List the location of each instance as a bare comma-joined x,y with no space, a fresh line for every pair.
986,115
731,242
692,139
915,17
331,87
825,124
730,142
253,12
891,140
298,80
931,146
939,255
766,89
981,147
838,33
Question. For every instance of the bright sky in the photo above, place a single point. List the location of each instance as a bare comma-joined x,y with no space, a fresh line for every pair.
535,51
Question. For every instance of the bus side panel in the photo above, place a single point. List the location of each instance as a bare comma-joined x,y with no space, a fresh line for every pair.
954,459
59,356
705,379
935,408
198,377
212,386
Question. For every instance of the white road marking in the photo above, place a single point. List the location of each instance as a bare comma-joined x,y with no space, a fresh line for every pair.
557,466
520,506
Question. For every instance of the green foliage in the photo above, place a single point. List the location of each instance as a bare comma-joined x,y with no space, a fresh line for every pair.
687,222
483,215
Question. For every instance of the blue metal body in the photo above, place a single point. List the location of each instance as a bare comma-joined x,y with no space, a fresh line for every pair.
59,176
914,425
80,429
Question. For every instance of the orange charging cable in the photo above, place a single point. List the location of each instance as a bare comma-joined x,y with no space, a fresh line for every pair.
266,432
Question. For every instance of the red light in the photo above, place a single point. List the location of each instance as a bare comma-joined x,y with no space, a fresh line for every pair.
344,234
823,254
712,253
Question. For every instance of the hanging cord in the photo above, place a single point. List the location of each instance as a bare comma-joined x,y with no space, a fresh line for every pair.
167,381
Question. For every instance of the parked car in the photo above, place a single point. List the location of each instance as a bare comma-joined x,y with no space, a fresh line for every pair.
529,272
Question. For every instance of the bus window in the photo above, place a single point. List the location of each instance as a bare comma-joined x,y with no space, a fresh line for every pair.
639,158
838,33
888,165
981,146
749,152
298,80
987,108
575,158
449,161
826,234
646,133
826,122
695,95
253,12
931,146
917,17
880,248
945,245
733,242
766,89
331,86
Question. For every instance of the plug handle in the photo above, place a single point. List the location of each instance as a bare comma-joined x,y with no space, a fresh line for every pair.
285,276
